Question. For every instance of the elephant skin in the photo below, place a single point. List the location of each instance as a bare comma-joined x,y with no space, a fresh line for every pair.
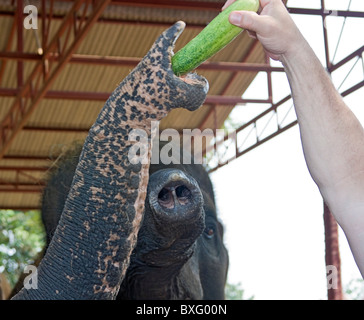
98,249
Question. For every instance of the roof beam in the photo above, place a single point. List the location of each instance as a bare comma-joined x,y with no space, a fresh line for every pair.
56,129
27,157
198,5
17,184
23,168
35,189
102,20
158,4
19,208
132,61
8,45
212,110
103,96
39,82
327,12
176,4
19,42
168,4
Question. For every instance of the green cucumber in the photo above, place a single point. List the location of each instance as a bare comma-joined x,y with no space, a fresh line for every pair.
217,34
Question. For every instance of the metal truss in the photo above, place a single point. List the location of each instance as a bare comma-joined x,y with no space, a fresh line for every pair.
59,51
54,57
70,34
272,122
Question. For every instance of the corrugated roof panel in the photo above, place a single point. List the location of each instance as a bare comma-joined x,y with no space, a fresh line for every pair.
8,80
243,79
65,113
181,119
38,143
217,80
5,105
24,162
22,176
19,200
90,78
7,175
5,27
161,15
131,34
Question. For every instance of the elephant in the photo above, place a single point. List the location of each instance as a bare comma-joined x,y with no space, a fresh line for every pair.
120,229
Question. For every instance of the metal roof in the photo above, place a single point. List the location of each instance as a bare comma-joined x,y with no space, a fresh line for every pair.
48,101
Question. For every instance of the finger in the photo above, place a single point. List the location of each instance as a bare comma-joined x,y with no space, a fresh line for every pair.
250,20
263,3
227,3
252,34
260,9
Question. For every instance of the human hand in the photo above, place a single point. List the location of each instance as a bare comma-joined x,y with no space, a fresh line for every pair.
273,27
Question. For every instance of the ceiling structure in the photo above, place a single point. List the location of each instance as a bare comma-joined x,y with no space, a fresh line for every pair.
55,79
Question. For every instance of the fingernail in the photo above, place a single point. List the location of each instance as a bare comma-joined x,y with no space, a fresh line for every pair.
235,18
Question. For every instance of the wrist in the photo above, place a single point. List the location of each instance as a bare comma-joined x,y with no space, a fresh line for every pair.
296,52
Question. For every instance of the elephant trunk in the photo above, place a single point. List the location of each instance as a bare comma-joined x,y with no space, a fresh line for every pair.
90,250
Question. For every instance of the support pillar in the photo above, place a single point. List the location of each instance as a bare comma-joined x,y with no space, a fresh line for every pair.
332,257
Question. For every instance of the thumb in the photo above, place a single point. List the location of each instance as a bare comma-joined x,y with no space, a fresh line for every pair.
246,19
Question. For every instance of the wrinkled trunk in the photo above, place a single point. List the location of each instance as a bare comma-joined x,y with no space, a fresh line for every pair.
90,250
177,280
164,265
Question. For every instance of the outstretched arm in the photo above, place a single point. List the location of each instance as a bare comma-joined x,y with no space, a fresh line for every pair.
90,250
332,137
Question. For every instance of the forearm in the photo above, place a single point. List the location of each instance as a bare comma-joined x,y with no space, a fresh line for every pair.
332,137
333,143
